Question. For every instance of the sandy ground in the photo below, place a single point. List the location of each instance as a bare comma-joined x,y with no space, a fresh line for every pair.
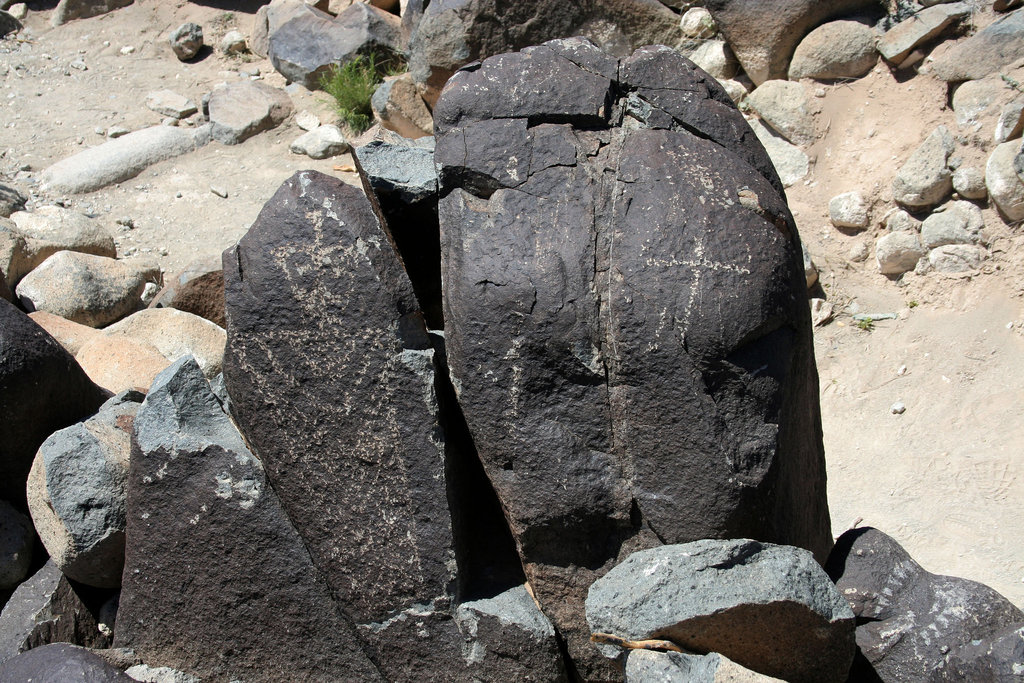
944,478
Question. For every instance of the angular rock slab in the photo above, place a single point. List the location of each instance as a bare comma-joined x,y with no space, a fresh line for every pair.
61,663
69,10
625,315
217,582
769,608
925,179
42,389
645,666
914,625
240,110
76,493
986,52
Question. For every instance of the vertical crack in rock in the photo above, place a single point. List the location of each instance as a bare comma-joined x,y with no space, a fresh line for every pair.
644,373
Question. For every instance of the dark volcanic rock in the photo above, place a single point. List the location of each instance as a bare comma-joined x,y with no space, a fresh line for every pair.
625,314
915,625
42,389
49,609
60,663
217,582
199,289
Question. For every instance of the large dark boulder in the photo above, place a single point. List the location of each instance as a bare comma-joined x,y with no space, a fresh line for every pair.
60,663
453,33
217,582
42,389
919,626
626,315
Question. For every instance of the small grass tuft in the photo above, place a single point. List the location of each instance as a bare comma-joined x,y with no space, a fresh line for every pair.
866,324
352,85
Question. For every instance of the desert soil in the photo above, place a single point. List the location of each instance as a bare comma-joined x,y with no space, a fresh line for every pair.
944,478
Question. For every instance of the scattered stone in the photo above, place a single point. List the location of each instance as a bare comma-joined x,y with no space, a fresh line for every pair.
523,182
901,220
69,10
898,252
990,49
119,363
715,57
116,160
170,103
46,609
176,334
127,50
849,210
18,10
1005,186
306,45
956,258
646,666
767,607
958,222
736,90
233,43
765,34
199,289
198,498
79,65
116,132
697,22
86,289
810,270
898,408
911,619
76,493
925,179
1011,121
838,49
11,200
61,663
899,41
821,312
186,41
783,106
159,674
858,252
969,183
789,160
307,120
219,191
43,390
321,142
59,229
975,98
243,109
16,540
398,106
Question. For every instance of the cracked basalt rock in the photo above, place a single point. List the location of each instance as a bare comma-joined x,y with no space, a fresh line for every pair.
331,375
217,582
625,315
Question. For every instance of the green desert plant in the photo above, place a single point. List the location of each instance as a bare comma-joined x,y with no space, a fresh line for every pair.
352,85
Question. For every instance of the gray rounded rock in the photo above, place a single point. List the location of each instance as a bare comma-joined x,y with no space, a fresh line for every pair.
187,40
925,179
1005,186
849,210
969,183
16,539
838,49
898,252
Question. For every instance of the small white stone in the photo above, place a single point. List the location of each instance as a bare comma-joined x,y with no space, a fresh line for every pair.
898,408
219,191
127,49
902,370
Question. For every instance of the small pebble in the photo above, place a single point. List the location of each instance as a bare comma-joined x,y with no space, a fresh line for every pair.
820,92
898,408
902,371
127,49
126,221
219,191
79,64
117,131
177,195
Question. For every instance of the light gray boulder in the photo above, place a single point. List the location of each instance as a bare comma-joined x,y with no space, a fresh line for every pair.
975,99
646,666
898,252
76,493
233,43
783,106
768,607
969,183
16,540
87,289
956,258
402,168
186,41
64,229
958,222
160,674
1005,186
117,160
170,103
716,57
849,210
321,142
925,179
986,52
68,10
241,110
1010,123
788,159
900,220
838,49
900,40
697,22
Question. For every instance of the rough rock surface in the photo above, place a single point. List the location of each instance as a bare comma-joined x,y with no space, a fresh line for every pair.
321,142
789,160
243,109
186,40
16,540
925,179
198,289
599,367
398,106
306,44
769,608
87,289
838,49
958,222
715,57
898,252
900,40
764,34
69,10
452,34
48,609
990,49
849,210
956,258
646,666
61,663
910,619
76,493
43,390
66,230
1005,185
117,363
783,106
969,183
176,334
198,498
11,200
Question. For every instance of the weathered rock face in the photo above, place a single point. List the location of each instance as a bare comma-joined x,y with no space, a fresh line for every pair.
990,49
240,110
198,289
42,389
455,32
198,498
61,663
632,370
16,540
68,10
915,625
